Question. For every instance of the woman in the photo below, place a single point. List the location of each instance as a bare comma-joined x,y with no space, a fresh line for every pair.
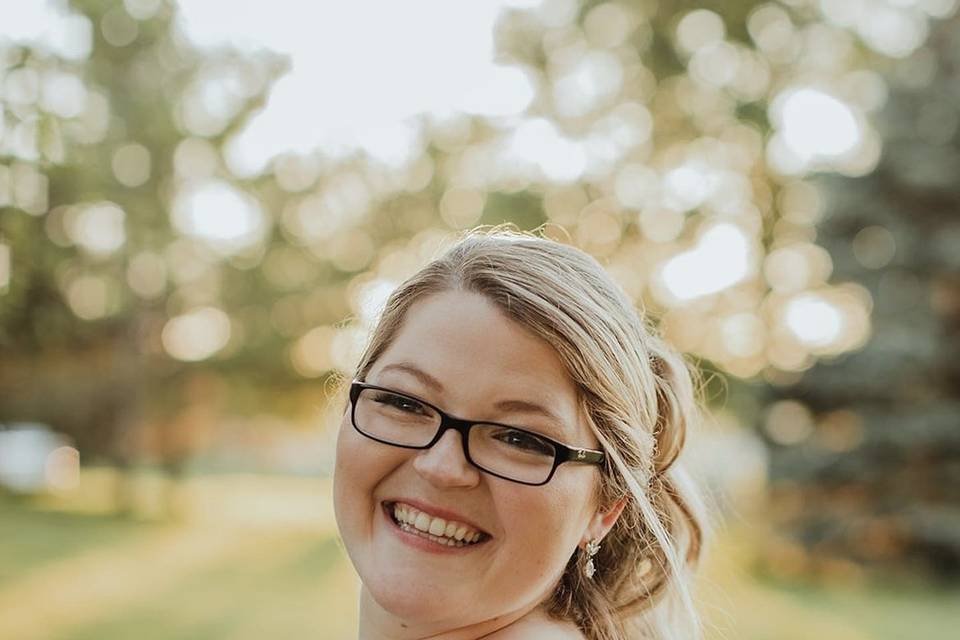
505,468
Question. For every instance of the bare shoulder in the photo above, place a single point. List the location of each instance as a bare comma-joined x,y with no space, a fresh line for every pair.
538,628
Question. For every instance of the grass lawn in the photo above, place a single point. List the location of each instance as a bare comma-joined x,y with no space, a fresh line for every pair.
257,557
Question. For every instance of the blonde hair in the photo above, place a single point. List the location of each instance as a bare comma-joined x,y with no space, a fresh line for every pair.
639,398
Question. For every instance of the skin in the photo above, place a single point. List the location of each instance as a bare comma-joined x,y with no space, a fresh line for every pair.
479,358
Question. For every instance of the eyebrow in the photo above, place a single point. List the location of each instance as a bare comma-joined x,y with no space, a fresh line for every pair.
417,373
522,406
513,406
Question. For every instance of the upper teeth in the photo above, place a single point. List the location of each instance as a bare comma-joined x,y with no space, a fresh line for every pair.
405,514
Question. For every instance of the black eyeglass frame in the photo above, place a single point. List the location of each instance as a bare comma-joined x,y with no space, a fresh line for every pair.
564,453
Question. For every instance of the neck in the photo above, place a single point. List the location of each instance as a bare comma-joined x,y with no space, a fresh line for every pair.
378,624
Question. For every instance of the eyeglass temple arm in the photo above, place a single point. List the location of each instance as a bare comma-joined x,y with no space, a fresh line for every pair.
584,456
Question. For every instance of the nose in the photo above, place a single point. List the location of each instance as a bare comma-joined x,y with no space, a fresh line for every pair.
444,464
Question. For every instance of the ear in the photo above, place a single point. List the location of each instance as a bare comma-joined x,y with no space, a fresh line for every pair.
604,520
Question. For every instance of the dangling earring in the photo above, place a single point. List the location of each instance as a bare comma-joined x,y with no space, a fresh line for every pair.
592,548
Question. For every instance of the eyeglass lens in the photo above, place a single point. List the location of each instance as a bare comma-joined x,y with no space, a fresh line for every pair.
506,451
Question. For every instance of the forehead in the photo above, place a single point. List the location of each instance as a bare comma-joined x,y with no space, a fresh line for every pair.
476,352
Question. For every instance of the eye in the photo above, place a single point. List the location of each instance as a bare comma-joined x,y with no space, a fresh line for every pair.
525,441
400,403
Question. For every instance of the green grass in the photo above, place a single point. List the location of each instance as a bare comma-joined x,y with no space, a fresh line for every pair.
270,597
32,538
887,612
257,558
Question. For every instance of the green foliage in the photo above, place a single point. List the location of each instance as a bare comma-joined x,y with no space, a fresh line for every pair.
878,481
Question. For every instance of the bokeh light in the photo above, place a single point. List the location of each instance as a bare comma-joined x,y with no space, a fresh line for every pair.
698,29
311,353
219,214
63,94
197,334
788,422
97,228
815,129
874,247
131,164
720,259
147,274
89,296
815,321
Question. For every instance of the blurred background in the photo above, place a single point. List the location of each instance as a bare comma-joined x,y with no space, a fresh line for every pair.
204,203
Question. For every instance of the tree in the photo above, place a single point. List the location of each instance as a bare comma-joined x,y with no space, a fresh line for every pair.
101,128
872,475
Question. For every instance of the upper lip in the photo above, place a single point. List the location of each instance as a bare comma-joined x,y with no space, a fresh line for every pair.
437,512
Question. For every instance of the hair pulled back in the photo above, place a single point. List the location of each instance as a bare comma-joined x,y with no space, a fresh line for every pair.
639,399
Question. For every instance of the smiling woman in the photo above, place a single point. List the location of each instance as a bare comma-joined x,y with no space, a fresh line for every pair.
506,467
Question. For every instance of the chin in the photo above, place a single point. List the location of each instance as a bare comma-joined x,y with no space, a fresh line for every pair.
414,600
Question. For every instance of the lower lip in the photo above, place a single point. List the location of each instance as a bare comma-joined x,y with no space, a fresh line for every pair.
425,544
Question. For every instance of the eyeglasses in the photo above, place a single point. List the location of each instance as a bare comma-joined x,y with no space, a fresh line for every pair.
501,450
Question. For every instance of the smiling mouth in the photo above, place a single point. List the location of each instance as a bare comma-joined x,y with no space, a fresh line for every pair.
446,532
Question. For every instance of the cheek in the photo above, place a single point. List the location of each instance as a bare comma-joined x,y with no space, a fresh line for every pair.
361,465
352,481
547,522
341,477
347,448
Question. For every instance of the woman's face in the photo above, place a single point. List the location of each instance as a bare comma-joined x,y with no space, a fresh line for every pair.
459,352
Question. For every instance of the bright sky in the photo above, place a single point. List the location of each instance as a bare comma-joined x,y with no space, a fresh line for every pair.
361,69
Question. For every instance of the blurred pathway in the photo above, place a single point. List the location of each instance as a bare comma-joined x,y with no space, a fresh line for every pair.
257,551
81,590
